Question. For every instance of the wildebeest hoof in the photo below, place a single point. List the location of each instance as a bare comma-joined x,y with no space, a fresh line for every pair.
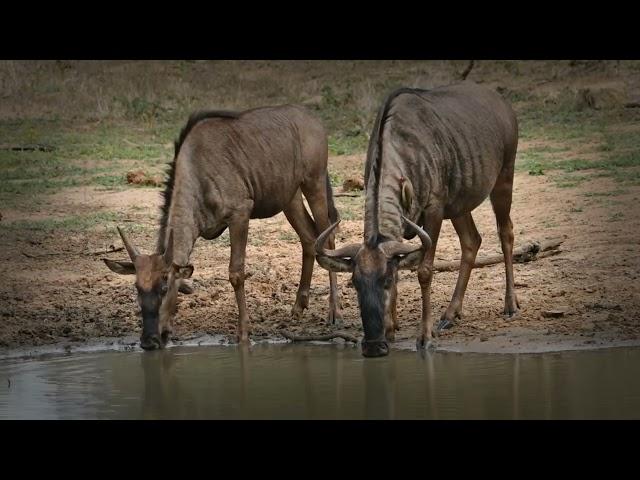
511,315
423,346
444,324
297,311
241,338
165,337
185,288
335,319
424,343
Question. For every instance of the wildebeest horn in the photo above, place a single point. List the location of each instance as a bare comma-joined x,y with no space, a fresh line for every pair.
335,260
424,236
411,254
131,250
168,251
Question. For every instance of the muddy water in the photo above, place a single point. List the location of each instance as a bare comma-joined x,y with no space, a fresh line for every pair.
321,382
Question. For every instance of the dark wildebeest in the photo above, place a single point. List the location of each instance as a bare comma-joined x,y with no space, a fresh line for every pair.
433,154
228,168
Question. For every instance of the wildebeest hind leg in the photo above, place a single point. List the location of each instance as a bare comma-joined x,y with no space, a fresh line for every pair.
316,194
470,241
303,224
501,201
238,232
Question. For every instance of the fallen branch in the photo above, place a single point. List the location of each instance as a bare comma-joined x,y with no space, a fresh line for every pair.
346,194
467,70
318,338
30,255
528,252
111,250
54,254
28,148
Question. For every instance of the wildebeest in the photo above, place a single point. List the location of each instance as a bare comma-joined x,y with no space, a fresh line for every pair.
230,167
433,154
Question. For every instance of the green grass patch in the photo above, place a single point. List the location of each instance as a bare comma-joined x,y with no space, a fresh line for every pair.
348,143
350,208
72,223
335,179
288,236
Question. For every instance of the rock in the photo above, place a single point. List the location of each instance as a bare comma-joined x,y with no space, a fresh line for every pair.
484,338
138,177
557,313
353,184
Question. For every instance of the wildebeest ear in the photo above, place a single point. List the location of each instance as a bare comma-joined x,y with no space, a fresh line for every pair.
407,194
123,268
411,260
183,271
335,264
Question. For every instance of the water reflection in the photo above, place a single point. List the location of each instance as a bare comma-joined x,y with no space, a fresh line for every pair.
322,382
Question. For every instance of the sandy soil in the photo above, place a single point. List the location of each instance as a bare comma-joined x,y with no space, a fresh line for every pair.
66,295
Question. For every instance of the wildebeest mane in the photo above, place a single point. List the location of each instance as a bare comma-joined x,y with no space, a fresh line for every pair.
374,158
170,182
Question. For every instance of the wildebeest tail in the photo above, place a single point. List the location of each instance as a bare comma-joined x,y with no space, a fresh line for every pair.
333,212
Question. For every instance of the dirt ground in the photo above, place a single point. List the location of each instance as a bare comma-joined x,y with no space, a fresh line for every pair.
56,288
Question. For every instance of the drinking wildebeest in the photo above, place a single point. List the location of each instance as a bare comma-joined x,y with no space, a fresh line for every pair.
433,154
230,167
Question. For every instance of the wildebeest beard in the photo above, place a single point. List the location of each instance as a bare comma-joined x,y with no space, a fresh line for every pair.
371,297
150,303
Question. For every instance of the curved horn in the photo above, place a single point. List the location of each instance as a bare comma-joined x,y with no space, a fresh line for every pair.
131,250
168,251
424,236
348,251
322,238
338,260
411,255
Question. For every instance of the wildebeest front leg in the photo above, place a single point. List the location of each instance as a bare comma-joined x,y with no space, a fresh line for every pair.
425,275
391,315
470,241
238,232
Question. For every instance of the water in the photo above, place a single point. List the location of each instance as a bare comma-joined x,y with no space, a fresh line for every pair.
321,382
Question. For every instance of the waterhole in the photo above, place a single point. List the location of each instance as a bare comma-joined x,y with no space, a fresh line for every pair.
321,382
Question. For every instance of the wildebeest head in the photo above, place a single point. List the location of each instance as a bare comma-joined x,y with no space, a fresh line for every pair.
374,267
157,279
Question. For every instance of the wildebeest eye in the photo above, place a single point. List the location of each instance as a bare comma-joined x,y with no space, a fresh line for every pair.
164,289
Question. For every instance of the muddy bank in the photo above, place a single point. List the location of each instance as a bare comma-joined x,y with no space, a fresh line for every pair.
510,341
